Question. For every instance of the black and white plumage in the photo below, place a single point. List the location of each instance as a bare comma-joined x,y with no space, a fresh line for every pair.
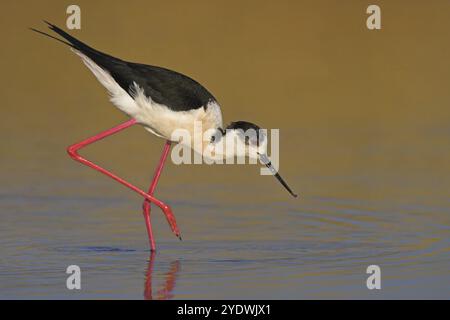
166,87
163,100
160,99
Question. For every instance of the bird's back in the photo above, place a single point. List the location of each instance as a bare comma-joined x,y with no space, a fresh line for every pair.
174,90
170,88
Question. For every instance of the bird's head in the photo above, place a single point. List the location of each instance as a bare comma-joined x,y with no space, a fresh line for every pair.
250,141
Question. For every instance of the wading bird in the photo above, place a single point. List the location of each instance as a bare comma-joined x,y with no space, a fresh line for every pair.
162,101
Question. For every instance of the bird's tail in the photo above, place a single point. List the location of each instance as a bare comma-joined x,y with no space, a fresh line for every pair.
99,57
106,68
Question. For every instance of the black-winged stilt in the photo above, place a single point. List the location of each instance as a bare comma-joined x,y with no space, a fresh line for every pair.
162,101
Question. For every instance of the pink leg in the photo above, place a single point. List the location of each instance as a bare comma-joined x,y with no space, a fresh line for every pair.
73,152
151,190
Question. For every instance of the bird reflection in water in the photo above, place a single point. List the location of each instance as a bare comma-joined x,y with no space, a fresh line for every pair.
165,292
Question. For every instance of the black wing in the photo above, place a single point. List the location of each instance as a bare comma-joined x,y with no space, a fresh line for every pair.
172,89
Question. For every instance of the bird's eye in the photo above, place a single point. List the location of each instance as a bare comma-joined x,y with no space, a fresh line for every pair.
215,138
217,135
253,137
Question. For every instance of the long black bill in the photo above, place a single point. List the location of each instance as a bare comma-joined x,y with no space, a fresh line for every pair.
266,161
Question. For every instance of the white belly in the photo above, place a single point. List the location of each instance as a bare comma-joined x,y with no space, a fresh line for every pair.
161,121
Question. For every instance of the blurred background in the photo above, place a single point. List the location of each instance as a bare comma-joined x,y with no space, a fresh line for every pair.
364,123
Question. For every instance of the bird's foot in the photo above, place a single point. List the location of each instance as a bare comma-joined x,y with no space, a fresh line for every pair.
171,220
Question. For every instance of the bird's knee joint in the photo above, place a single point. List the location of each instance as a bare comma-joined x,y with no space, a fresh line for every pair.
72,151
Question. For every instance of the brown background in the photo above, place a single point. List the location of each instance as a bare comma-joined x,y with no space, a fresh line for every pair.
310,68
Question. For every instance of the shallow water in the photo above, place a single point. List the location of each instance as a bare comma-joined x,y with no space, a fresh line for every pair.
364,125
243,236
